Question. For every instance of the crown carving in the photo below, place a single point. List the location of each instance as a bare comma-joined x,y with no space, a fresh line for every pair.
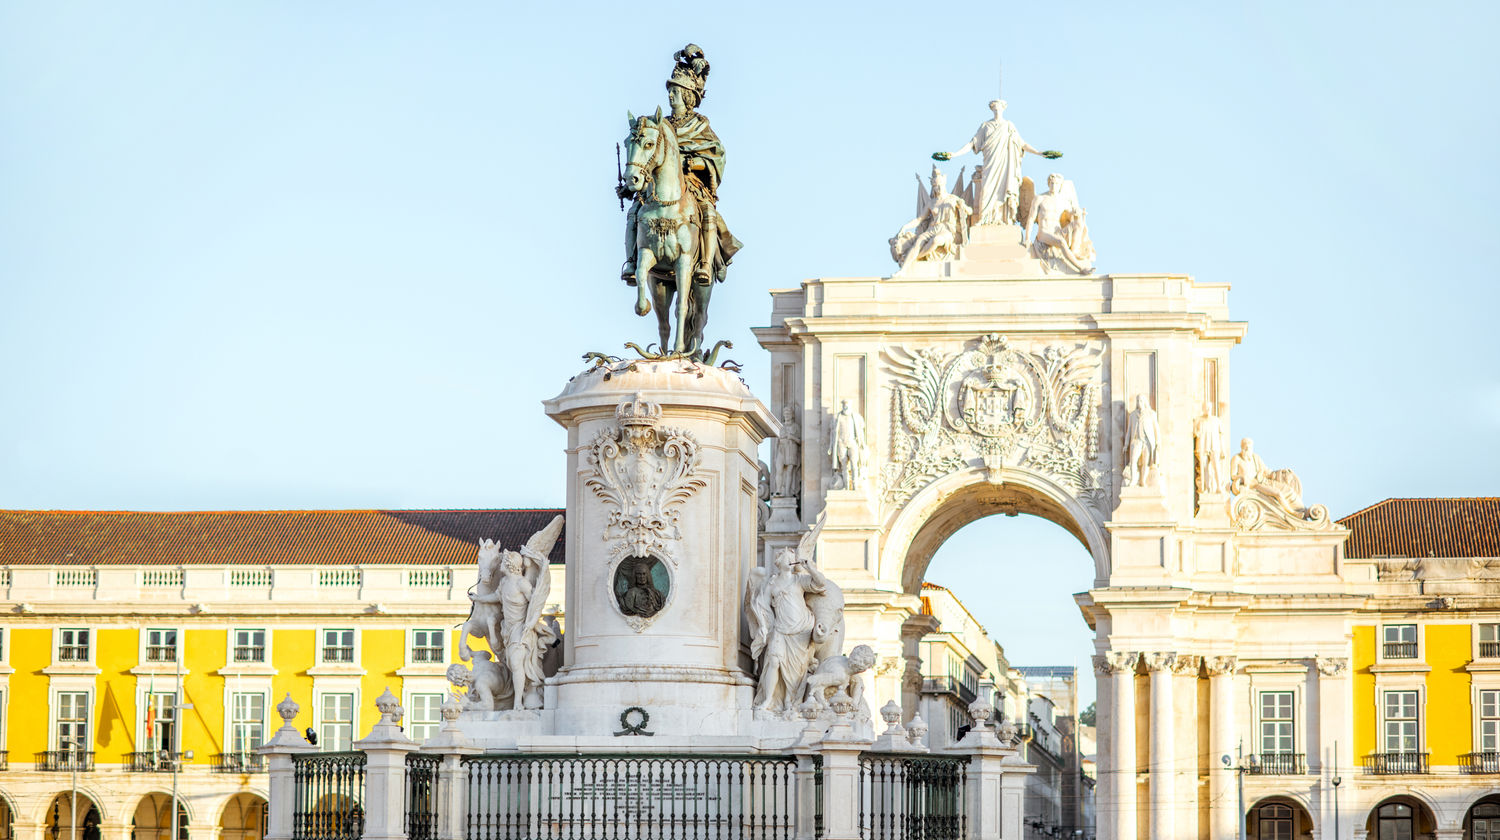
638,412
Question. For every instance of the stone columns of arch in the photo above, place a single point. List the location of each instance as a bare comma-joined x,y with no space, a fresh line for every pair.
1224,819
1163,755
1187,748
1117,771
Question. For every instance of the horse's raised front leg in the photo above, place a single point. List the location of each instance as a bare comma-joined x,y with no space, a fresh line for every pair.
644,262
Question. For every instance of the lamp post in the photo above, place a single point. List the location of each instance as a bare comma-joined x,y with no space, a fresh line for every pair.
178,707
1337,780
73,805
1241,767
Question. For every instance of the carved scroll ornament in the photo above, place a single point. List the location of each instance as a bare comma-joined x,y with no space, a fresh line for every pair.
644,473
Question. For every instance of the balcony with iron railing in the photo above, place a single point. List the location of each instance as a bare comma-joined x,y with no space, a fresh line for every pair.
1400,650
161,653
338,653
65,760
1479,763
249,653
1277,764
153,761
245,762
1396,764
427,655
1489,650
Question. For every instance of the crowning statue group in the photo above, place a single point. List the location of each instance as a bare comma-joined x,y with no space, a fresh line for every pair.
1052,224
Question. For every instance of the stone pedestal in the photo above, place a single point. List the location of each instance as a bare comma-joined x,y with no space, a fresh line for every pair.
783,515
662,469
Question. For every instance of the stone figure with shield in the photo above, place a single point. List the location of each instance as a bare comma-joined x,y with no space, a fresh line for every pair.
676,244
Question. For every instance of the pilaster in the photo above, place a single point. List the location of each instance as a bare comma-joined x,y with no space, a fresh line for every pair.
1223,812
1119,819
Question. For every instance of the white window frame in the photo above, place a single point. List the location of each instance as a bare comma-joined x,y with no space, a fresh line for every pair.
230,723
265,646
411,707
318,721
1421,712
57,646
142,693
1261,720
55,706
1478,629
411,645
1480,718
1380,642
177,651
357,654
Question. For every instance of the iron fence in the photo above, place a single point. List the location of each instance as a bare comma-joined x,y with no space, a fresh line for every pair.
1278,764
421,795
630,797
65,760
911,797
246,762
1395,763
1480,763
330,796
153,761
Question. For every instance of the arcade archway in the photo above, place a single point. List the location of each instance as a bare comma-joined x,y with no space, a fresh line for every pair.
1278,818
244,818
153,819
59,823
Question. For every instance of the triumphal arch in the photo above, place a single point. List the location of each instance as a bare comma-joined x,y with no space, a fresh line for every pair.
996,371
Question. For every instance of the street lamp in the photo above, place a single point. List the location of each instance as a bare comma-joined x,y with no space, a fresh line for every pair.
1244,766
73,749
178,707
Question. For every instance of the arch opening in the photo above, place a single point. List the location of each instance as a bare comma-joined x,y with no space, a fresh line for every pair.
944,507
1278,818
1483,818
1403,817
60,823
153,819
244,818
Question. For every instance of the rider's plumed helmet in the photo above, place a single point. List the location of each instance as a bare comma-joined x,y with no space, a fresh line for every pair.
690,71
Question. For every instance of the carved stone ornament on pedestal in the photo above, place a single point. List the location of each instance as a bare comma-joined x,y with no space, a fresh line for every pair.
1265,498
1332,666
643,473
1000,406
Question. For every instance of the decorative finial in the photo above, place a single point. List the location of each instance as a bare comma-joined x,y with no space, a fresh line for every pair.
390,708
288,709
917,730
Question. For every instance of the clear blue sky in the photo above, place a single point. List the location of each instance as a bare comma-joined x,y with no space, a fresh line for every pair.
286,254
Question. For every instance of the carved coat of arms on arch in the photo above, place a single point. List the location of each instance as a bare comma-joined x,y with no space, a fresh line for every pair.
644,473
1001,405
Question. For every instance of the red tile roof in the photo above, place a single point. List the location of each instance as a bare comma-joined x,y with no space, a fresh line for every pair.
1425,528
321,537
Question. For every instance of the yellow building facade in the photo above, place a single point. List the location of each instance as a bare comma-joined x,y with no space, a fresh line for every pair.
130,662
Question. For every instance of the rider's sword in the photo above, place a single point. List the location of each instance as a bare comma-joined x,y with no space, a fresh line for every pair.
619,175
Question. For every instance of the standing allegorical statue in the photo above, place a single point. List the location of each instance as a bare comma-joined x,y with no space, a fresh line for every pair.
789,625
1210,450
789,454
846,448
675,241
1142,439
1000,144
507,609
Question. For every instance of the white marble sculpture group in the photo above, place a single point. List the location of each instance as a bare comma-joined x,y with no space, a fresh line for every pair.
796,620
507,604
1052,224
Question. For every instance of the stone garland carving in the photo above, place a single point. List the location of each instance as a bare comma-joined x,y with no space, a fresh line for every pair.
506,610
1002,406
644,473
1332,666
796,620
1270,498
